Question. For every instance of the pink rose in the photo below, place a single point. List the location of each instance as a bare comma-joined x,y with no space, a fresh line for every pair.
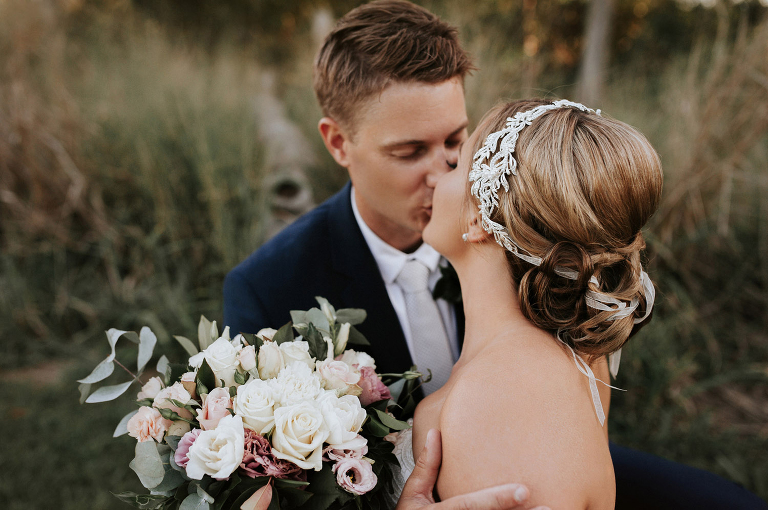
355,475
148,424
337,375
373,389
150,389
177,393
180,457
259,461
216,405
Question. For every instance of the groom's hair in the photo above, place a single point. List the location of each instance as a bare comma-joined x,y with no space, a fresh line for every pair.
380,43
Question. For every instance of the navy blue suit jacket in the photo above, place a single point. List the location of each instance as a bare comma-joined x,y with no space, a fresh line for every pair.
323,253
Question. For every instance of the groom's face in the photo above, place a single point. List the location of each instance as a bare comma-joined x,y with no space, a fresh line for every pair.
406,138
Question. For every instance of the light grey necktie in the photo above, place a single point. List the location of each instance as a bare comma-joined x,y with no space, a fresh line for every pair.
430,341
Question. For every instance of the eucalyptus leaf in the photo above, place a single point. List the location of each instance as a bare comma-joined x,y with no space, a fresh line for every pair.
147,342
298,316
148,464
194,502
171,480
354,316
163,365
101,372
204,336
391,422
85,389
187,344
122,427
357,338
284,334
203,494
107,393
316,317
396,388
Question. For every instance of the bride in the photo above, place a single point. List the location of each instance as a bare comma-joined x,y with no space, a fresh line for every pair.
541,221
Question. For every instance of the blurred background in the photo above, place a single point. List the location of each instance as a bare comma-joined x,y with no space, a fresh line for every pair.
147,146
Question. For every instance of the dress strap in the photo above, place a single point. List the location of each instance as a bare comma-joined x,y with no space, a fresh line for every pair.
586,370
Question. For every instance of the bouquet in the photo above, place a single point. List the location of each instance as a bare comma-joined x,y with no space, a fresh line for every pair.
262,421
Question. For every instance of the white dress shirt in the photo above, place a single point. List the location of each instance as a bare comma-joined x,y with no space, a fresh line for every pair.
390,261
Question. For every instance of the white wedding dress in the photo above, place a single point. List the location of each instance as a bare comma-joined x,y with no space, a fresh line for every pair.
404,452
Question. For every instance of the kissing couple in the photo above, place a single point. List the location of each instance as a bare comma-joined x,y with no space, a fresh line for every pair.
539,213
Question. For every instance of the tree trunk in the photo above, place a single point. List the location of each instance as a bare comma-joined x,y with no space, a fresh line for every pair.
594,58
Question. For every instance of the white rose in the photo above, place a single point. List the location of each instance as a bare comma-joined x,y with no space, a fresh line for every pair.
176,392
218,452
298,350
342,338
221,356
271,360
361,359
300,432
247,358
238,342
266,334
150,389
196,361
255,402
296,383
337,375
344,417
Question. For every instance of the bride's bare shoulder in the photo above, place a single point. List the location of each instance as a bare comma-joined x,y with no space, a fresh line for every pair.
525,415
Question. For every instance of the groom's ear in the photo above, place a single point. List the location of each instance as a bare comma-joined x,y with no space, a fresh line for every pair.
335,139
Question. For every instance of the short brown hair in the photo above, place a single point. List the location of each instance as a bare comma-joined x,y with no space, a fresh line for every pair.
585,186
379,43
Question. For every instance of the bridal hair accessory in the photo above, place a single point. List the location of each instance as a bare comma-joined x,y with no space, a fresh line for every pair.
489,173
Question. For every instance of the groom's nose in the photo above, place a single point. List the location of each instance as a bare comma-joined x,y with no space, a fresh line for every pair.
442,163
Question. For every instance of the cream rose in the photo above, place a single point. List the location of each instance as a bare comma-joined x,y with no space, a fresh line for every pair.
344,417
247,358
266,334
188,381
296,383
298,350
255,402
300,432
221,356
271,360
150,389
176,392
218,452
148,424
337,375
216,406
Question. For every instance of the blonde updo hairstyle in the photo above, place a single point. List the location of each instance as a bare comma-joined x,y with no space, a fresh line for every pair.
585,186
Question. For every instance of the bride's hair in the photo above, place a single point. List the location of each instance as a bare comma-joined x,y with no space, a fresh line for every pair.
585,186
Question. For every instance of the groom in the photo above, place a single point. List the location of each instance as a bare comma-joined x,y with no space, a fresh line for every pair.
389,79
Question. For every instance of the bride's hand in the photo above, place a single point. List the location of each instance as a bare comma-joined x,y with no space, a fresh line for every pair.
418,490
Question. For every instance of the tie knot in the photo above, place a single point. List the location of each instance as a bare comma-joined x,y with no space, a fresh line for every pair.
414,277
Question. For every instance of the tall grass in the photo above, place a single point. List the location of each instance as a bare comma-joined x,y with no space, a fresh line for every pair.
131,181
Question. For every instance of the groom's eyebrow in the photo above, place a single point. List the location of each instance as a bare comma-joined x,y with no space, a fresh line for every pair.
404,143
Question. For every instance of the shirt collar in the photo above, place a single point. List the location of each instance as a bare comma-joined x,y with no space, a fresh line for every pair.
389,259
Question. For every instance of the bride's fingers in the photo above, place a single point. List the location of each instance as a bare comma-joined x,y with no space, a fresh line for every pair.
418,489
501,497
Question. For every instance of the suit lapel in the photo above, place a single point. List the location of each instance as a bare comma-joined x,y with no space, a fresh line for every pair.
359,285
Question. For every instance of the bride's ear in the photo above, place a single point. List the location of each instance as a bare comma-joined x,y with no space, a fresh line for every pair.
335,139
476,233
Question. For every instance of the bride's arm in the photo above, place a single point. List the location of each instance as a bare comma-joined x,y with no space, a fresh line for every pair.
519,425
